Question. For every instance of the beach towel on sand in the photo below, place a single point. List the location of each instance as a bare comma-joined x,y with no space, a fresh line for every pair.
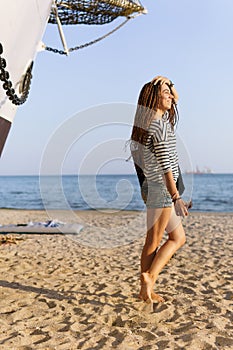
51,226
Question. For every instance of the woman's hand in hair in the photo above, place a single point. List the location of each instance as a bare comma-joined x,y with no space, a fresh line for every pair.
160,79
163,80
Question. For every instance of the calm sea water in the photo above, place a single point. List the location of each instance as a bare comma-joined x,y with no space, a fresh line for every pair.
209,192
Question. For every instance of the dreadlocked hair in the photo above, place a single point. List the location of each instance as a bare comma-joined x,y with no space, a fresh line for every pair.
148,102
147,105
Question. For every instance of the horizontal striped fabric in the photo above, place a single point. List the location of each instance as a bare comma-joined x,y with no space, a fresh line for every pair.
160,155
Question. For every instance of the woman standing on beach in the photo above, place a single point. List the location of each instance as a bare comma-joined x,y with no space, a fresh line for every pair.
154,153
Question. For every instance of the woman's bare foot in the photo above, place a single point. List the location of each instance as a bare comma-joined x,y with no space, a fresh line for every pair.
156,297
146,287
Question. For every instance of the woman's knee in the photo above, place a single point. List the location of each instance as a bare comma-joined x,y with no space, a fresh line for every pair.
182,236
179,242
182,240
178,236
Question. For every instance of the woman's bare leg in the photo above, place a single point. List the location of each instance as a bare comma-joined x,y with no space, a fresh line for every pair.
157,220
175,241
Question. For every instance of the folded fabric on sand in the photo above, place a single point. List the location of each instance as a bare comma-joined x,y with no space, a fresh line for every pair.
51,226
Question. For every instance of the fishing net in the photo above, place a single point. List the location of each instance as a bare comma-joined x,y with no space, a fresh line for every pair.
94,11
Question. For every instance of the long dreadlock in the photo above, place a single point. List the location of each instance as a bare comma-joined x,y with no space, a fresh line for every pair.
148,102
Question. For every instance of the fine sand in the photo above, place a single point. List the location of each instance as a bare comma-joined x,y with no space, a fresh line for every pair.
70,292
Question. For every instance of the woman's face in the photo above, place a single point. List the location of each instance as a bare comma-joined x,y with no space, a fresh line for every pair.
165,98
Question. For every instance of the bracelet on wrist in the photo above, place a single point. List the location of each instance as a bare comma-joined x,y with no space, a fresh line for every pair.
176,194
176,199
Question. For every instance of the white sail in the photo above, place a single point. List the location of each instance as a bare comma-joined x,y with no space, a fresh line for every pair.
22,24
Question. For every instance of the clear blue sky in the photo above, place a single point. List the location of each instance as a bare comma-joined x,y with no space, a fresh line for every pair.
188,41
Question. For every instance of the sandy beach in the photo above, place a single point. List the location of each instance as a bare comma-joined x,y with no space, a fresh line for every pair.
70,292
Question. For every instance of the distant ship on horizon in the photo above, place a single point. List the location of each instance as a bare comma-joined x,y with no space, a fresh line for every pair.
206,170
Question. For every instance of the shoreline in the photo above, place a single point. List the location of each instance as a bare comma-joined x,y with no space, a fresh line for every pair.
113,210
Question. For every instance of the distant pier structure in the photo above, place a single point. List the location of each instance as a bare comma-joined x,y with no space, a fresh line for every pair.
205,170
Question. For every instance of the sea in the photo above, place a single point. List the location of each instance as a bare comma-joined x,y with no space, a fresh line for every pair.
209,192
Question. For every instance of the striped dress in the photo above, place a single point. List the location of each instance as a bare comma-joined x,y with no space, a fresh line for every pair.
160,155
